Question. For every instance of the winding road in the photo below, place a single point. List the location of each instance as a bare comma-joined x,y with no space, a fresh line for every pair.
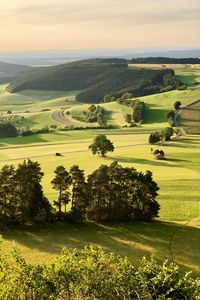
61,117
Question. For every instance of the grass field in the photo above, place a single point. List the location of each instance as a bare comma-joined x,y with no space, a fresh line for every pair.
42,108
175,235
178,178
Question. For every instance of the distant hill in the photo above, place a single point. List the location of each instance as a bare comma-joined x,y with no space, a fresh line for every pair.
55,57
96,78
10,72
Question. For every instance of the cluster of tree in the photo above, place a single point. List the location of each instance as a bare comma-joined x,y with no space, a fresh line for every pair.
91,273
137,106
161,136
10,118
164,60
110,193
96,78
170,82
26,131
72,127
21,194
7,130
95,113
170,115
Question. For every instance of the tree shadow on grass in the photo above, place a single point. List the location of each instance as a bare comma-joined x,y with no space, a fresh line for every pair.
130,239
153,115
23,140
177,160
143,161
184,143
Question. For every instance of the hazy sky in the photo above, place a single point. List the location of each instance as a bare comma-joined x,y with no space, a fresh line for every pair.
70,24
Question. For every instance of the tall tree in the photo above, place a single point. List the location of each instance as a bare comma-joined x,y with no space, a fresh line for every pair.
61,182
8,203
29,190
79,192
98,194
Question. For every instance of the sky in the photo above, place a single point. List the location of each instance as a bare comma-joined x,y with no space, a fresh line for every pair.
93,24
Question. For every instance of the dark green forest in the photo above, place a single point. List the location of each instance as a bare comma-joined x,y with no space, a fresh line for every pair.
164,60
96,78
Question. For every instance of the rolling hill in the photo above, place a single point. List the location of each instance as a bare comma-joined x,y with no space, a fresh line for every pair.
10,72
96,78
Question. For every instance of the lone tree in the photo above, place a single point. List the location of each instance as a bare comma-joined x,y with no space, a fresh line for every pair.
101,145
177,104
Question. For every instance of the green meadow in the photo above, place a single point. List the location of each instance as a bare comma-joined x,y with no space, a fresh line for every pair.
178,178
174,235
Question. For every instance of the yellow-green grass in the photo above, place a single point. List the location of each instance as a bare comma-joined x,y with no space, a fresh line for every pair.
34,100
164,240
31,104
157,106
164,66
115,113
178,178
131,150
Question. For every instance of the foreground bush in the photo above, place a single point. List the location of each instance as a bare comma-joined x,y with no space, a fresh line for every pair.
92,274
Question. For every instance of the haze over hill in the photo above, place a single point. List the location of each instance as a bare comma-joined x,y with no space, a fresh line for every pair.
53,57
10,72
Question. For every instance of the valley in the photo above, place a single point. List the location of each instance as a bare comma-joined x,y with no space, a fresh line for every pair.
178,176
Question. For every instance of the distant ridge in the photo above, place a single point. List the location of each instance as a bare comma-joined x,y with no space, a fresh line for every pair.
10,72
54,57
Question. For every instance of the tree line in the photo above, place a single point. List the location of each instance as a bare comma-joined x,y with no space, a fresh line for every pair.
94,113
163,135
138,106
110,193
165,60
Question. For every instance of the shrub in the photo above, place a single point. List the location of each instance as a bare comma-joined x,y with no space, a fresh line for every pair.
93,274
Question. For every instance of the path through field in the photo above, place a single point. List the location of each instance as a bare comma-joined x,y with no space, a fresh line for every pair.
61,117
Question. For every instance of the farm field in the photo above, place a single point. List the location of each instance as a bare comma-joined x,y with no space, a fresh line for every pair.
45,108
176,233
190,118
178,178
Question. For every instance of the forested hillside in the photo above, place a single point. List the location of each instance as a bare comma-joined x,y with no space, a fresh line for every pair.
9,72
165,60
96,78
